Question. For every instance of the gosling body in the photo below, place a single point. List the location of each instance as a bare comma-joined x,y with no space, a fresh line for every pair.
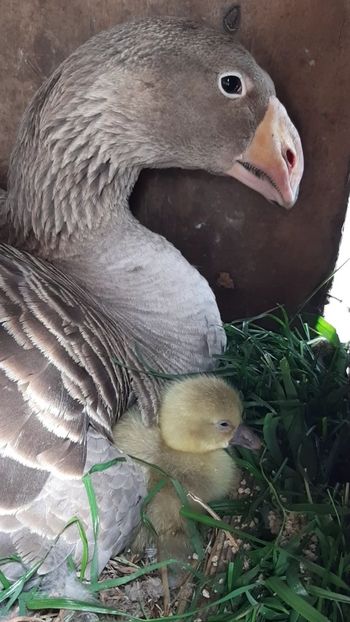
198,420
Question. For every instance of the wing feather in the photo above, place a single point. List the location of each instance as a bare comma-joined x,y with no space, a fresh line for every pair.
57,376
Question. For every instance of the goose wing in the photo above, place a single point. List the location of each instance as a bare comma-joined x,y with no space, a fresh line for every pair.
58,376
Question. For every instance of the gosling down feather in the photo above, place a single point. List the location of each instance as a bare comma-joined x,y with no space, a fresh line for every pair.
198,419
92,297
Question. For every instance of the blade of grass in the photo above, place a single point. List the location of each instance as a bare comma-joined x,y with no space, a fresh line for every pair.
307,611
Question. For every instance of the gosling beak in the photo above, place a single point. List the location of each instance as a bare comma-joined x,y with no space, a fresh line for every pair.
273,163
245,437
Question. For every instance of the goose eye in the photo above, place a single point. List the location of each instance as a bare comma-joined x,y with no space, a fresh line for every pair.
231,85
223,425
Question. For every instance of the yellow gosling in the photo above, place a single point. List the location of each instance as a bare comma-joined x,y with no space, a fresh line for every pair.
199,419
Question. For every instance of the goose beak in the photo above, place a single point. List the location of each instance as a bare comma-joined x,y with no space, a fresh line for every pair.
273,163
245,437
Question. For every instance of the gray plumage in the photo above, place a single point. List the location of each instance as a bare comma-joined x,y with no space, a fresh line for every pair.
144,94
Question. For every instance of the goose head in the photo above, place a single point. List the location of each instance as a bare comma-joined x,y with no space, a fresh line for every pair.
203,414
154,93
204,103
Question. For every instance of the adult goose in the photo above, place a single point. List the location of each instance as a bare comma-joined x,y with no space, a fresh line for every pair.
102,288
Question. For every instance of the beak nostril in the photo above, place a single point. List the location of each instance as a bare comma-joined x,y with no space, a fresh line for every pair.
290,158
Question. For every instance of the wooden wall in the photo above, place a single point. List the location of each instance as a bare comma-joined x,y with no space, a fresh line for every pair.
255,255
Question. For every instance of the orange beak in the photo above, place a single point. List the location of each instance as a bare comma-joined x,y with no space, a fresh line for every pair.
273,163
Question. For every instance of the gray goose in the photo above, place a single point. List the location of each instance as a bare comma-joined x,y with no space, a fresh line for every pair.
92,287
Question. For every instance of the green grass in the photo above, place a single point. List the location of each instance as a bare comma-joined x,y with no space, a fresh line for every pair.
293,377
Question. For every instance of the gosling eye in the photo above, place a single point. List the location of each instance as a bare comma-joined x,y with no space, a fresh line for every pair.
223,425
231,85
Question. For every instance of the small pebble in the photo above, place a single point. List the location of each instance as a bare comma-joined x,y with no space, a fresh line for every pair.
309,554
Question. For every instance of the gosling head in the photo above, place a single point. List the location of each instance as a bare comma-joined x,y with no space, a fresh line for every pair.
203,414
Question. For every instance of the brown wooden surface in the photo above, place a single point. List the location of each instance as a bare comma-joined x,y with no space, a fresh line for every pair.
253,254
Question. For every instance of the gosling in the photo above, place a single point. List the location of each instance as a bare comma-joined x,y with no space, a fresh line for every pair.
199,418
